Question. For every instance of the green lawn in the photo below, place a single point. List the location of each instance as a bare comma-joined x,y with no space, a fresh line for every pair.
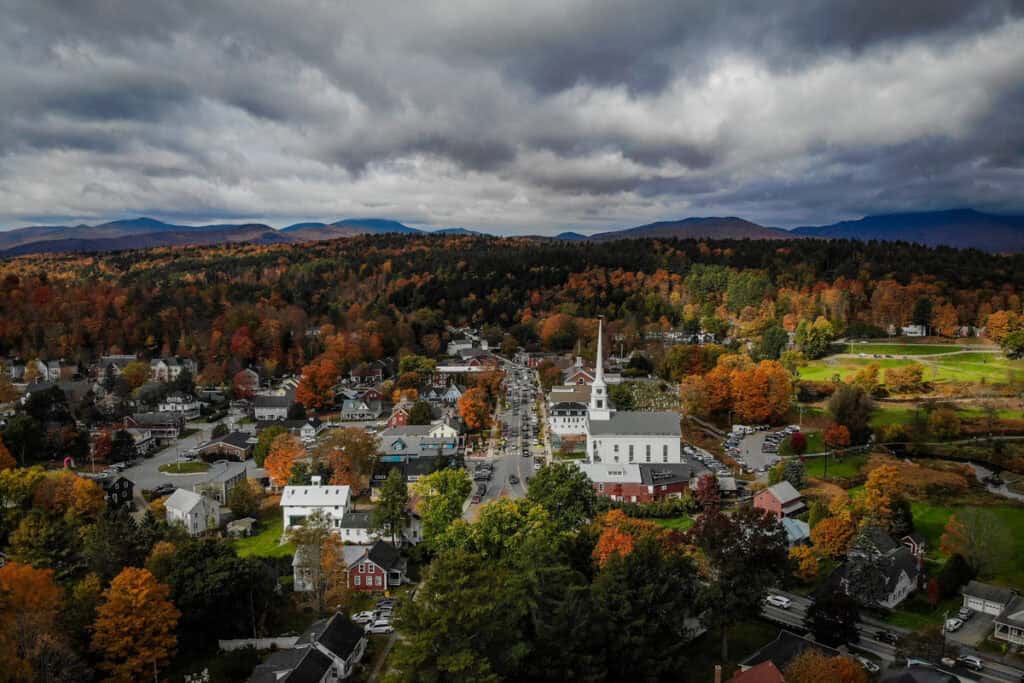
915,613
682,523
184,467
815,444
265,543
993,368
900,414
846,468
931,520
902,349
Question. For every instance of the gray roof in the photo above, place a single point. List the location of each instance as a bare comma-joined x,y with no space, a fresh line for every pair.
1013,613
236,439
919,674
785,648
272,401
987,591
784,491
357,520
666,473
226,471
637,423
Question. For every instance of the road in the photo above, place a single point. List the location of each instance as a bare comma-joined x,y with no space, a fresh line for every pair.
507,460
995,671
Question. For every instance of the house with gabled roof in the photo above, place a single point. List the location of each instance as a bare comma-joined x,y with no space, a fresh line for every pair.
782,500
786,647
329,650
196,513
375,568
330,501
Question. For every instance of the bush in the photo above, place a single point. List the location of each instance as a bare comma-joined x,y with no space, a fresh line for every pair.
955,572
659,509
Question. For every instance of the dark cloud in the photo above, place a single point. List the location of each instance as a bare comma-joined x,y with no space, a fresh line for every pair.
525,114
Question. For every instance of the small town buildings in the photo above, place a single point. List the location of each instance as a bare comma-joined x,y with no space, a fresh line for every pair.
221,479
311,429
299,502
1009,625
641,482
417,441
399,415
765,672
271,407
170,368
897,565
163,427
118,491
114,364
782,500
411,469
374,569
233,445
196,513
986,598
914,331
327,651
567,418
798,532
784,649
185,404
628,436
353,410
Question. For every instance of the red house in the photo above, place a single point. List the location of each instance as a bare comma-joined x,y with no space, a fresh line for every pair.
375,568
782,500
399,416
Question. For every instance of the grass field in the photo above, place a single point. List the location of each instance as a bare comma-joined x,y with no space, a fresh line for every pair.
902,349
265,543
892,414
847,468
961,367
931,520
815,444
915,613
682,523
184,467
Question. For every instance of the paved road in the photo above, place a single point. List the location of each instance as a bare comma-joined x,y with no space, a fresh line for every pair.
146,474
995,671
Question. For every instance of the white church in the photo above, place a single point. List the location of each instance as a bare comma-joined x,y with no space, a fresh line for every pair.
625,436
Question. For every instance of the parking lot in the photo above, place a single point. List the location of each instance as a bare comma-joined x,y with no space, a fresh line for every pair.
756,449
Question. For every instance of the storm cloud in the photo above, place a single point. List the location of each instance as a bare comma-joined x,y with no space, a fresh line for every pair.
522,117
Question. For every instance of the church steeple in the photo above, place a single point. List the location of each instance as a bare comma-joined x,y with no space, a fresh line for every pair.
599,407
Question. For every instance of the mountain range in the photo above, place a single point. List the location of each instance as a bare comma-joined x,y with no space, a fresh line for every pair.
960,228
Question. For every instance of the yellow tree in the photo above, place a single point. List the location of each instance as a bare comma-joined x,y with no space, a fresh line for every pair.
882,490
812,666
832,535
134,629
805,562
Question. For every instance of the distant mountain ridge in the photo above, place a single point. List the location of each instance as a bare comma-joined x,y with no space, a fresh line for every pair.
960,228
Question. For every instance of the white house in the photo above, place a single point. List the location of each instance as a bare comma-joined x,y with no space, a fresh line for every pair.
443,430
194,512
186,404
271,407
628,436
168,369
568,418
914,331
299,502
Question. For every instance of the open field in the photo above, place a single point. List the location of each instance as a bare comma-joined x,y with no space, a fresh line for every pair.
265,543
846,468
682,523
815,444
184,467
931,520
958,367
903,349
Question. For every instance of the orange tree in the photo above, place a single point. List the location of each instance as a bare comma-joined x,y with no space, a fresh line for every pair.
350,452
474,409
29,603
134,629
6,460
811,667
832,535
316,387
285,449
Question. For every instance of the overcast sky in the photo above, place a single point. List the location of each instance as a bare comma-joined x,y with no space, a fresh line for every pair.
520,116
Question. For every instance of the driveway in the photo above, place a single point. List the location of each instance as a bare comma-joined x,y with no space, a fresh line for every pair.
974,630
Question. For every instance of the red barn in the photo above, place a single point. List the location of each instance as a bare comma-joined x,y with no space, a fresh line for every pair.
399,416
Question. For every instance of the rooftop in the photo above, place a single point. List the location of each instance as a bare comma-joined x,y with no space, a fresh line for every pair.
629,423
786,646
987,591
785,492
315,496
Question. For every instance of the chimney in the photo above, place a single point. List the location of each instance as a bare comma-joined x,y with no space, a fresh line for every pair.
315,480
718,673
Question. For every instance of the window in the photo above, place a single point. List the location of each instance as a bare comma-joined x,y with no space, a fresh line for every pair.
357,580
615,448
380,581
647,450
664,452
362,569
600,486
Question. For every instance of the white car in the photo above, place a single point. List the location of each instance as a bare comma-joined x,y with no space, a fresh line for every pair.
868,665
778,601
363,617
380,626
953,625
971,662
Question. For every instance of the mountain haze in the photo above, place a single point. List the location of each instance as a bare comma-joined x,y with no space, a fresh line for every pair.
700,227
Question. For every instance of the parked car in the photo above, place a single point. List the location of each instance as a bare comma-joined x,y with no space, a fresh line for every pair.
363,617
953,624
475,500
868,665
965,614
886,637
380,626
513,479
778,601
971,662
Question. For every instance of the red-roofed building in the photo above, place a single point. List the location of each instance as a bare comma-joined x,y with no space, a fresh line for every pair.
765,672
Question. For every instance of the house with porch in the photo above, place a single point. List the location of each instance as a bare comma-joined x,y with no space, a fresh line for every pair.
327,651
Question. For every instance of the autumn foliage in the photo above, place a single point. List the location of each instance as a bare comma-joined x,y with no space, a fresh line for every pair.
29,604
6,459
620,533
832,535
134,629
316,388
805,562
69,495
836,436
285,449
811,666
474,410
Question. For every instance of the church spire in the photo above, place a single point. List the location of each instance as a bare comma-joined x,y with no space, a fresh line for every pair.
599,408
